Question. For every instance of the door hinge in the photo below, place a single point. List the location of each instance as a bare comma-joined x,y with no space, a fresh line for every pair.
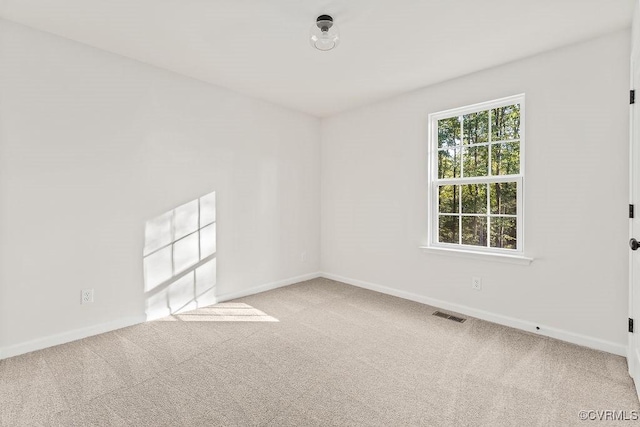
631,325
632,96
631,211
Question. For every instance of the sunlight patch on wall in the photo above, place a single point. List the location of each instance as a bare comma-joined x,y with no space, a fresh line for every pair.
179,258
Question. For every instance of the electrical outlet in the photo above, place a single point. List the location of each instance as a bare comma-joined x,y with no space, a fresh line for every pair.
86,296
303,256
476,283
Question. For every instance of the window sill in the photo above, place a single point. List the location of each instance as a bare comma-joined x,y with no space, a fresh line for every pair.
512,259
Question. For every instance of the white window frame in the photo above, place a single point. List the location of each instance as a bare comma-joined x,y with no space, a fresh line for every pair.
434,181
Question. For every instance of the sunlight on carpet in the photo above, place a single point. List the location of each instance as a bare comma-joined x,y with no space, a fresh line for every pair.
223,312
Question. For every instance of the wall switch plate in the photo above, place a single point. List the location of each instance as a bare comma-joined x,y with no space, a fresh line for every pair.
86,296
476,283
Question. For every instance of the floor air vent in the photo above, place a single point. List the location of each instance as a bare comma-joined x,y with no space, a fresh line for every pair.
448,316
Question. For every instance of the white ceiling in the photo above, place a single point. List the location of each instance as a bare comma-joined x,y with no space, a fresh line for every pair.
261,48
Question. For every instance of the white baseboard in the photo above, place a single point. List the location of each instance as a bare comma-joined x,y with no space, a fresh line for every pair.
267,287
579,339
76,334
65,337
574,338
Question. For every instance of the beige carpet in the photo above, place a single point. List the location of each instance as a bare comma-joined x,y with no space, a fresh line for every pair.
338,355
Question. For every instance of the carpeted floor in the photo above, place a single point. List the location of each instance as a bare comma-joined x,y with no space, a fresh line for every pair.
337,355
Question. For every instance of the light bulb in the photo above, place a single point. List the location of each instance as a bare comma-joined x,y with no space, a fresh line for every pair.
324,33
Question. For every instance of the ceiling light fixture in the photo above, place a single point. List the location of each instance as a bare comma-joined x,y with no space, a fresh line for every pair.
324,33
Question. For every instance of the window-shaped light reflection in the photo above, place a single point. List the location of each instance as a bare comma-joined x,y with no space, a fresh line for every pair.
181,293
206,281
189,291
157,233
157,268
207,241
207,209
179,256
185,220
185,253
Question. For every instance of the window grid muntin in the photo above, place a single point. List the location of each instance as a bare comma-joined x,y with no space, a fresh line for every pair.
490,178
488,215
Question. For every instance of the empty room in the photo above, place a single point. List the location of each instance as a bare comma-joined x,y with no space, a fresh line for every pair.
319,213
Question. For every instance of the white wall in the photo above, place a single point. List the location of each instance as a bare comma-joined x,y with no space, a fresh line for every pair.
374,204
92,145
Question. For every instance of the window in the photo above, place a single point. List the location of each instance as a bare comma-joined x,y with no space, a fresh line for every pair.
476,177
